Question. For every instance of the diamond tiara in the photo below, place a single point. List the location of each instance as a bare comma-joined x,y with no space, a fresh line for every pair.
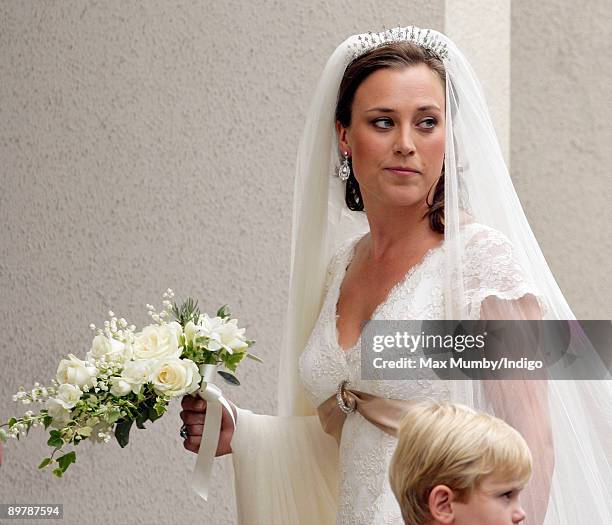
421,37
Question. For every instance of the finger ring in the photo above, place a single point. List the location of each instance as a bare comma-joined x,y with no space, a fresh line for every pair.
183,433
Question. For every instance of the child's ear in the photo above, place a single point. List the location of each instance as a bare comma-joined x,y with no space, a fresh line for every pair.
440,508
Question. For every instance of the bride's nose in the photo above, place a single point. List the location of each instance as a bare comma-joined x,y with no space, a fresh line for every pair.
404,143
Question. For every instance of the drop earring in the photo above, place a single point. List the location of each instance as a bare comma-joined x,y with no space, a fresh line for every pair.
345,170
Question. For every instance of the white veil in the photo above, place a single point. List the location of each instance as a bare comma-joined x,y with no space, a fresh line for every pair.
476,181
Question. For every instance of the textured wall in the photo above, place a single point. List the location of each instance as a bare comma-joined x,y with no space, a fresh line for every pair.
561,142
144,145
487,47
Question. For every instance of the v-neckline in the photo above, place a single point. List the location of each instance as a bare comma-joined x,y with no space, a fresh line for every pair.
346,263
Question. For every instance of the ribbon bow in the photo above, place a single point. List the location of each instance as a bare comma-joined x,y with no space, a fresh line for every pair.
212,394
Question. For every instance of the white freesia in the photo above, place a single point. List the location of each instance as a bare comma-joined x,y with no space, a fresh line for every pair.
76,372
158,341
110,349
68,395
119,387
222,334
136,374
175,377
191,332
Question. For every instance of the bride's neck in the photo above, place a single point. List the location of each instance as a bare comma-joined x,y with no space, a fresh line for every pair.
397,230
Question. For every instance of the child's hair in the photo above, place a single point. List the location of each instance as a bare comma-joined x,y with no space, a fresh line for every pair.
453,445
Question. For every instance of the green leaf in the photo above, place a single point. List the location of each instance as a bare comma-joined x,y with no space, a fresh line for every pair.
129,404
230,378
58,472
45,462
224,312
209,358
160,406
152,413
84,431
66,460
113,415
47,421
11,422
231,361
122,432
141,418
92,421
254,357
55,440
188,311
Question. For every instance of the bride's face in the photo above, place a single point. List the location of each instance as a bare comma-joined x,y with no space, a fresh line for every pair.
396,135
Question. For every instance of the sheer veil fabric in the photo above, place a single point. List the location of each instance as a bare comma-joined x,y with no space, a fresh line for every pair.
477,187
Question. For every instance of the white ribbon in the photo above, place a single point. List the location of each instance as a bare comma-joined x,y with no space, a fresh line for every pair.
200,480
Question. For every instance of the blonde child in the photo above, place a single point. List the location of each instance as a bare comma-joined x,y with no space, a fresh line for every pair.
456,466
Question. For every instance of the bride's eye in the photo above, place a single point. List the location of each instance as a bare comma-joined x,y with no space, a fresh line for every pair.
428,123
383,123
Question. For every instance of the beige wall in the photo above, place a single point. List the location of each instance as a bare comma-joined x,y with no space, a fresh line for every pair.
487,47
151,144
562,142
143,145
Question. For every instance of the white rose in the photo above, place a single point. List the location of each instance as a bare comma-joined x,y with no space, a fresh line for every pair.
120,387
223,334
111,349
68,395
56,410
158,342
175,377
76,372
136,374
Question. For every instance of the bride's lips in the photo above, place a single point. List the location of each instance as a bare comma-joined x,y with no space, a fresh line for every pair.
403,171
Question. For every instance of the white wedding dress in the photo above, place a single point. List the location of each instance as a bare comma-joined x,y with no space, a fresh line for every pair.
288,471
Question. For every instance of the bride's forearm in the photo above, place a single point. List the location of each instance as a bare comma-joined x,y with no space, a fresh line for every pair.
524,405
537,492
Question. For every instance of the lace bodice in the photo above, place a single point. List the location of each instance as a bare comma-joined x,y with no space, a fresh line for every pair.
490,268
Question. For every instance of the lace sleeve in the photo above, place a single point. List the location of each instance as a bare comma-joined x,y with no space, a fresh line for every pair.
493,276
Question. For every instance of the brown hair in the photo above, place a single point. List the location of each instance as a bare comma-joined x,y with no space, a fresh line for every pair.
397,55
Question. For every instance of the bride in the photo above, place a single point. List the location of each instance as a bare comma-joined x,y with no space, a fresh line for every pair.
404,209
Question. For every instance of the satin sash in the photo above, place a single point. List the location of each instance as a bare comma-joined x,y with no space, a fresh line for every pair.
382,412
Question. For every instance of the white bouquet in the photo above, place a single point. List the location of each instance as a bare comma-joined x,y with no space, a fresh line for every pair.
129,377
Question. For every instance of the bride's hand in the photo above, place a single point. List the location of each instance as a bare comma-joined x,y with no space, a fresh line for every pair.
193,416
